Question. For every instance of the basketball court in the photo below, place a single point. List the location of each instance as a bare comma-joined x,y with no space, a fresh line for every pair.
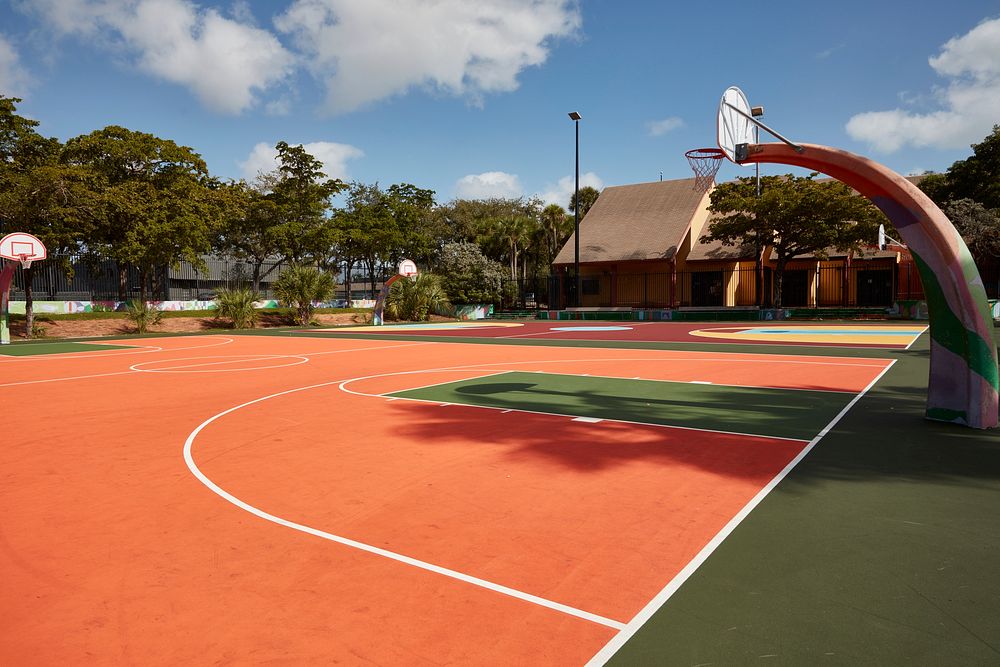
834,334
341,492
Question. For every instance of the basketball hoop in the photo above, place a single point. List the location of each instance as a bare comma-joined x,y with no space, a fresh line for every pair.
23,248
705,162
407,268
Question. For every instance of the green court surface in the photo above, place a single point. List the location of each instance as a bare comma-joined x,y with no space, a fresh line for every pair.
54,347
778,413
879,548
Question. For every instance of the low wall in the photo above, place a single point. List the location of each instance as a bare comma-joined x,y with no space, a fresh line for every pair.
474,311
71,307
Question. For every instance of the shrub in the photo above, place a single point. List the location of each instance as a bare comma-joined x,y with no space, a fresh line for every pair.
143,315
415,299
238,306
298,286
467,276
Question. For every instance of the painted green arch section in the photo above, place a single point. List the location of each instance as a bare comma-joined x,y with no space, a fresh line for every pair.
963,382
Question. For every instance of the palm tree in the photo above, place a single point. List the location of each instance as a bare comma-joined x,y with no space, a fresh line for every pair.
416,298
557,227
299,286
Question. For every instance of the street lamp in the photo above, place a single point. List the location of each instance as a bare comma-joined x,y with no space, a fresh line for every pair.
575,117
757,112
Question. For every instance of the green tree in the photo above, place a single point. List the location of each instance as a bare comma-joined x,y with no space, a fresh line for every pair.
366,232
251,227
301,196
299,286
588,196
467,276
157,201
40,195
979,227
421,231
794,215
976,177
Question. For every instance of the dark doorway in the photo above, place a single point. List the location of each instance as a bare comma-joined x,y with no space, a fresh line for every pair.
706,288
875,288
795,288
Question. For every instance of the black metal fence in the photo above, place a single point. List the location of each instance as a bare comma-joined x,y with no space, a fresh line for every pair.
88,278
828,286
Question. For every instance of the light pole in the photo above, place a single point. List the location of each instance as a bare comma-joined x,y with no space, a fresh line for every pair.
757,112
575,117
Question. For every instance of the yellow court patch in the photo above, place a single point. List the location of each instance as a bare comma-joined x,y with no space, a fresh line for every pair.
881,334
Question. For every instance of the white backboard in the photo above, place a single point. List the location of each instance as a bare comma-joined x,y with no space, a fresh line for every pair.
733,127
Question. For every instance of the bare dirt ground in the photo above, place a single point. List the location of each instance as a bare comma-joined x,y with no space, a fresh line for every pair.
119,327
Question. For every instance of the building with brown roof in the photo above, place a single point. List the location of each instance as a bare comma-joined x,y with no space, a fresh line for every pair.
640,247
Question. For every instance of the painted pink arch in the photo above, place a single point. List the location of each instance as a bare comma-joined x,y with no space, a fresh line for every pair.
963,380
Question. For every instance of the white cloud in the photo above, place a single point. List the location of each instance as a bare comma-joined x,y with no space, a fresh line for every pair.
657,128
226,63
263,158
488,185
562,192
968,102
367,50
13,77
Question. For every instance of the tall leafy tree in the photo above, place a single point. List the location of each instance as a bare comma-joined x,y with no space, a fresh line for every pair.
979,227
366,234
421,231
157,205
794,215
976,177
302,195
251,226
41,195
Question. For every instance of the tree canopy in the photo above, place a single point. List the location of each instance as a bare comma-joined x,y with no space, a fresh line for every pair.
976,177
794,215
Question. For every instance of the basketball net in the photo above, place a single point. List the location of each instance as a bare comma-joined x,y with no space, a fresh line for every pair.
705,163
25,261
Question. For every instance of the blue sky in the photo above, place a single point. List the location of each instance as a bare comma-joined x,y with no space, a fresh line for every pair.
469,97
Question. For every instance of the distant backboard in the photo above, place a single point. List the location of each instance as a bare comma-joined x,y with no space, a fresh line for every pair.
734,128
407,268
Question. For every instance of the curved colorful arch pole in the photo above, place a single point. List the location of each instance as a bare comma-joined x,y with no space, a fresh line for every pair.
963,382
378,312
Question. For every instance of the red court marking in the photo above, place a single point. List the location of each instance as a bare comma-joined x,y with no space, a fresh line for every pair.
112,552
652,332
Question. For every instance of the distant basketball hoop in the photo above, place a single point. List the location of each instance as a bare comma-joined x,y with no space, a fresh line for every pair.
705,162
407,268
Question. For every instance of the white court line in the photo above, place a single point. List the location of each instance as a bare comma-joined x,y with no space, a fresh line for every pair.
131,372
640,619
129,349
631,324
487,374
62,379
714,384
231,359
343,387
916,338
460,576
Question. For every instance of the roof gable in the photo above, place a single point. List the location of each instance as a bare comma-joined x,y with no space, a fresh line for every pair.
645,221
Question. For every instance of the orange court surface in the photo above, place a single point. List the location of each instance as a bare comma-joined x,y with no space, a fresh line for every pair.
255,499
